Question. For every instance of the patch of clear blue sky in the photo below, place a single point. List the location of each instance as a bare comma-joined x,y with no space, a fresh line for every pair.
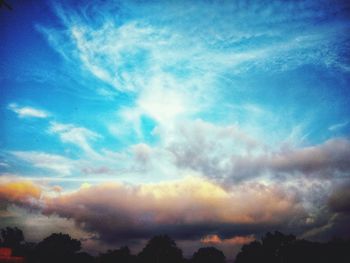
308,85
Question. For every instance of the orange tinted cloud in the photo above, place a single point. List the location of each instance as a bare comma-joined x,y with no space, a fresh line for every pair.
237,240
19,191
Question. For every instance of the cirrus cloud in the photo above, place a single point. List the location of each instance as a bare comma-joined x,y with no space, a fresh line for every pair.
28,112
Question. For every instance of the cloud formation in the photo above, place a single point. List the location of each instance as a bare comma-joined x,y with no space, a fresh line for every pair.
19,192
190,208
28,112
187,209
56,163
172,67
70,133
339,201
230,154
329,159
237,240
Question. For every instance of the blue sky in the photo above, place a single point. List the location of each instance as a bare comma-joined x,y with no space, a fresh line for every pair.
146,93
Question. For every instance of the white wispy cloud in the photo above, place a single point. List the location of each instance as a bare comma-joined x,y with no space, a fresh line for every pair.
28,112
173,69
76,135
4,164
338,126
56,163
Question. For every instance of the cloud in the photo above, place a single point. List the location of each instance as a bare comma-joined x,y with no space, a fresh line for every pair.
339,201
207,148
237,240
36,226
19,192
335,214
4,164
228,153
127,48
338,126
99,170
142,153
78,136
56,163
171,69
190,208
329,159
28,112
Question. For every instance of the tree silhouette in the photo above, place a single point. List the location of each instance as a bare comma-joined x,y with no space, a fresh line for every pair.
27,250
57,248
208,255
83,257
11,237
4,4
272,248
161,249
14,239
275,244
121,255
252,252
280,248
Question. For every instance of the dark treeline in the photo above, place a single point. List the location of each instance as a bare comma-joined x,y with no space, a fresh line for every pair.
280,248
58,248
273,248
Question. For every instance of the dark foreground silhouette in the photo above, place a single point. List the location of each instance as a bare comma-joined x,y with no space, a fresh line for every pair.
280,248
273,248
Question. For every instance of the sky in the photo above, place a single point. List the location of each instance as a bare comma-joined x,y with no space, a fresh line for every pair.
210,121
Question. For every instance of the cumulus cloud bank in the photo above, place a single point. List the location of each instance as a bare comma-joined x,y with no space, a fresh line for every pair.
190,208
187,209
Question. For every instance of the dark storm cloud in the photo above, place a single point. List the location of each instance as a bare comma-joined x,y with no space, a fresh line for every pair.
339,205
333,216
339,201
